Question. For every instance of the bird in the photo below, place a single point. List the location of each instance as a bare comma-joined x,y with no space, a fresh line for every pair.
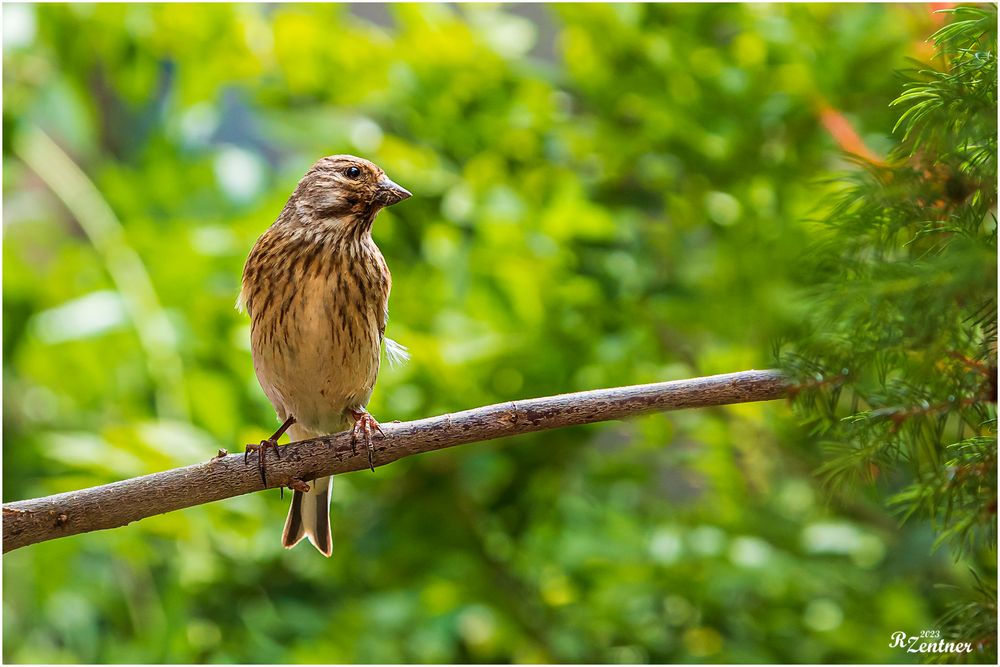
316,288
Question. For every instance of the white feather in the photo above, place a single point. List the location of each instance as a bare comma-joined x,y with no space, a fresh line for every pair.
396,354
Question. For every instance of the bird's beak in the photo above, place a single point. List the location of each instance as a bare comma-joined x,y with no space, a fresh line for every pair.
389,193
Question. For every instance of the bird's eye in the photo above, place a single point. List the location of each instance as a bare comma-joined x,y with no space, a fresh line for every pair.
352,172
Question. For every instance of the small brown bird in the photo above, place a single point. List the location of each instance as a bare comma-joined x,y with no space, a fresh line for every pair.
316,288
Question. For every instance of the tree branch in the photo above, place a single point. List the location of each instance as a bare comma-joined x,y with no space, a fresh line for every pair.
112,505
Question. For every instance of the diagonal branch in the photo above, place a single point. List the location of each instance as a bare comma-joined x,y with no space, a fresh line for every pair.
28,522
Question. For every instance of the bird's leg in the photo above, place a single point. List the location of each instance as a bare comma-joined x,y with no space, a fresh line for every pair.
364,424
261,449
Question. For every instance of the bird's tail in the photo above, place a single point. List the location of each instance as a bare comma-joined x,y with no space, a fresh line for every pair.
309,515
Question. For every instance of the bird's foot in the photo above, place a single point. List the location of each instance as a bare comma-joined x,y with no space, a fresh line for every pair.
364,427
297,484
261,449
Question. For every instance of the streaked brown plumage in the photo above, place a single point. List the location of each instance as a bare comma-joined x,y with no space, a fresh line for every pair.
316,288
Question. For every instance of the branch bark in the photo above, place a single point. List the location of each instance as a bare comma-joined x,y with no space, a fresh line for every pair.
113,505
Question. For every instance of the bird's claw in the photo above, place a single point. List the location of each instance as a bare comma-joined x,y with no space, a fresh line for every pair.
261,449
364,424
297,484
269,443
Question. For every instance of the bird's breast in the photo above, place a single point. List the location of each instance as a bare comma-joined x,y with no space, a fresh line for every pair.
317,318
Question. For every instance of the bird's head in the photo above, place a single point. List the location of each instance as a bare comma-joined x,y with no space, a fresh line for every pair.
345,190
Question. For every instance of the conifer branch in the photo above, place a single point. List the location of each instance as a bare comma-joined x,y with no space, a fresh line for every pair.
225,476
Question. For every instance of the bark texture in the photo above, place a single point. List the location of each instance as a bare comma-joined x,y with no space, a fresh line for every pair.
113,505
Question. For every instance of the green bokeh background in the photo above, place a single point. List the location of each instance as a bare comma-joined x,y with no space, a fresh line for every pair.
603,195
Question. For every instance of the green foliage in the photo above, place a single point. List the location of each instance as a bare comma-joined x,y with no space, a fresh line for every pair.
900,367
604,195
